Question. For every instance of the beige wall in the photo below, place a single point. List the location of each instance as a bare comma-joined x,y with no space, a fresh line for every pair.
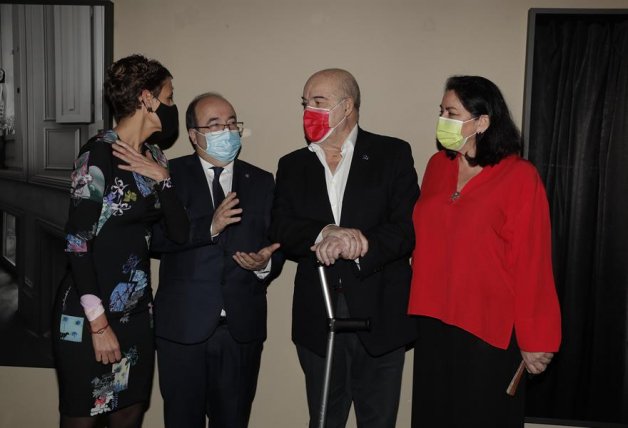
258,54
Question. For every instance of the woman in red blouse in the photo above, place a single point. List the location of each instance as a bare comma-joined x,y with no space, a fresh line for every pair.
482,280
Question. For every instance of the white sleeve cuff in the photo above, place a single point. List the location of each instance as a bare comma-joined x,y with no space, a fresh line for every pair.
263,273
92,313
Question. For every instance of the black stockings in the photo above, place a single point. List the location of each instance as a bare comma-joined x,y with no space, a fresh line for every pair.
129,417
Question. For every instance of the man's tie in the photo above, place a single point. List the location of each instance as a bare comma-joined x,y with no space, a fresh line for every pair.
218,193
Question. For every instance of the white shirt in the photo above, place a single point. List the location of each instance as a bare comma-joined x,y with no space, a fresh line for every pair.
337,181
226,182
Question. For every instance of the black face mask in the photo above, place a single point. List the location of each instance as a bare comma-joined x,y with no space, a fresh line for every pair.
169,118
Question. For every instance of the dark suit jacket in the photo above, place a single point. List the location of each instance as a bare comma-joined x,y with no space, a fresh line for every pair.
199,278
379,198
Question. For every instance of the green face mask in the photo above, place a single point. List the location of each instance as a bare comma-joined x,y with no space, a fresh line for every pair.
449,133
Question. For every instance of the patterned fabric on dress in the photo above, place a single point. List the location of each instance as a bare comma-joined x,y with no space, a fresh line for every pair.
108,237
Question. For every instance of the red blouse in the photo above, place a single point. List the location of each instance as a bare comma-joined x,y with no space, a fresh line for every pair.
483,260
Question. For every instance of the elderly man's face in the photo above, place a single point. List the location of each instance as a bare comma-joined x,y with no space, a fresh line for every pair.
212,114
321,92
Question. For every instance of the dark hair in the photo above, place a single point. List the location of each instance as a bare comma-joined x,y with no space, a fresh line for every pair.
190,113
127,78
480,96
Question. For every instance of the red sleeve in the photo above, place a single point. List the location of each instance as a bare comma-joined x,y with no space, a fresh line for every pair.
537,314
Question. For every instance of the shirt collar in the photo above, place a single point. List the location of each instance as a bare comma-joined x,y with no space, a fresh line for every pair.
208,165
348,144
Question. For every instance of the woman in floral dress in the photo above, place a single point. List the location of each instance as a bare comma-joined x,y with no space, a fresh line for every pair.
103,342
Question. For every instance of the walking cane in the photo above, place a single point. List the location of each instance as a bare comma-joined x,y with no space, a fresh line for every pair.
514,383
334,325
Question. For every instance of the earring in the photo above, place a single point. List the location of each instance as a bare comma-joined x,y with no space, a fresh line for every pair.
148,108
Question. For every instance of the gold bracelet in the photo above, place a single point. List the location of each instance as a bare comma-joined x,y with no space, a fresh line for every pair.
101,331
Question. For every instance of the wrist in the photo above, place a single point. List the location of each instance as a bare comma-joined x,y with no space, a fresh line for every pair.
213,231
100,330
99,322
326,229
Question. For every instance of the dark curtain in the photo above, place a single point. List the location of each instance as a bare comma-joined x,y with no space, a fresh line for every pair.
578,140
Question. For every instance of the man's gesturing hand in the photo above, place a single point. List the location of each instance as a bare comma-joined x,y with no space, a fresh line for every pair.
226,214
255,261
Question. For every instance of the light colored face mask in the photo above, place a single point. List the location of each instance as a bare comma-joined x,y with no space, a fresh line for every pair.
222,145
449,133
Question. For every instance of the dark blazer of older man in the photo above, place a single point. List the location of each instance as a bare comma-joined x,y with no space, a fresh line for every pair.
378,200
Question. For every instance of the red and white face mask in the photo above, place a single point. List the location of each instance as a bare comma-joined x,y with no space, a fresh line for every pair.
316,123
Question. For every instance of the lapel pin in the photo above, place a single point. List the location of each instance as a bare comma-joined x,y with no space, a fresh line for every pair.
246,175
365,157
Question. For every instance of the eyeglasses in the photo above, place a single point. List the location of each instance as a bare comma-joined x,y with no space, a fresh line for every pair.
217,127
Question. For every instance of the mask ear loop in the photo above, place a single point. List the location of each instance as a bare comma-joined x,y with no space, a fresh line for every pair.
329,116
344,116
194,140
148,107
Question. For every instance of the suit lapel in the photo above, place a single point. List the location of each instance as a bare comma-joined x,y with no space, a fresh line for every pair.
318,195
200,186
361,165
238,175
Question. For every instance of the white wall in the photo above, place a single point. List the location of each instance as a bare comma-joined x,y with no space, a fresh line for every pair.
259,54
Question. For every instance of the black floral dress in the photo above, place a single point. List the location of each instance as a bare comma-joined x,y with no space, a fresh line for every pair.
108,237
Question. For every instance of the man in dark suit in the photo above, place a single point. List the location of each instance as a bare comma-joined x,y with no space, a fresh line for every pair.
347,200
210,306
